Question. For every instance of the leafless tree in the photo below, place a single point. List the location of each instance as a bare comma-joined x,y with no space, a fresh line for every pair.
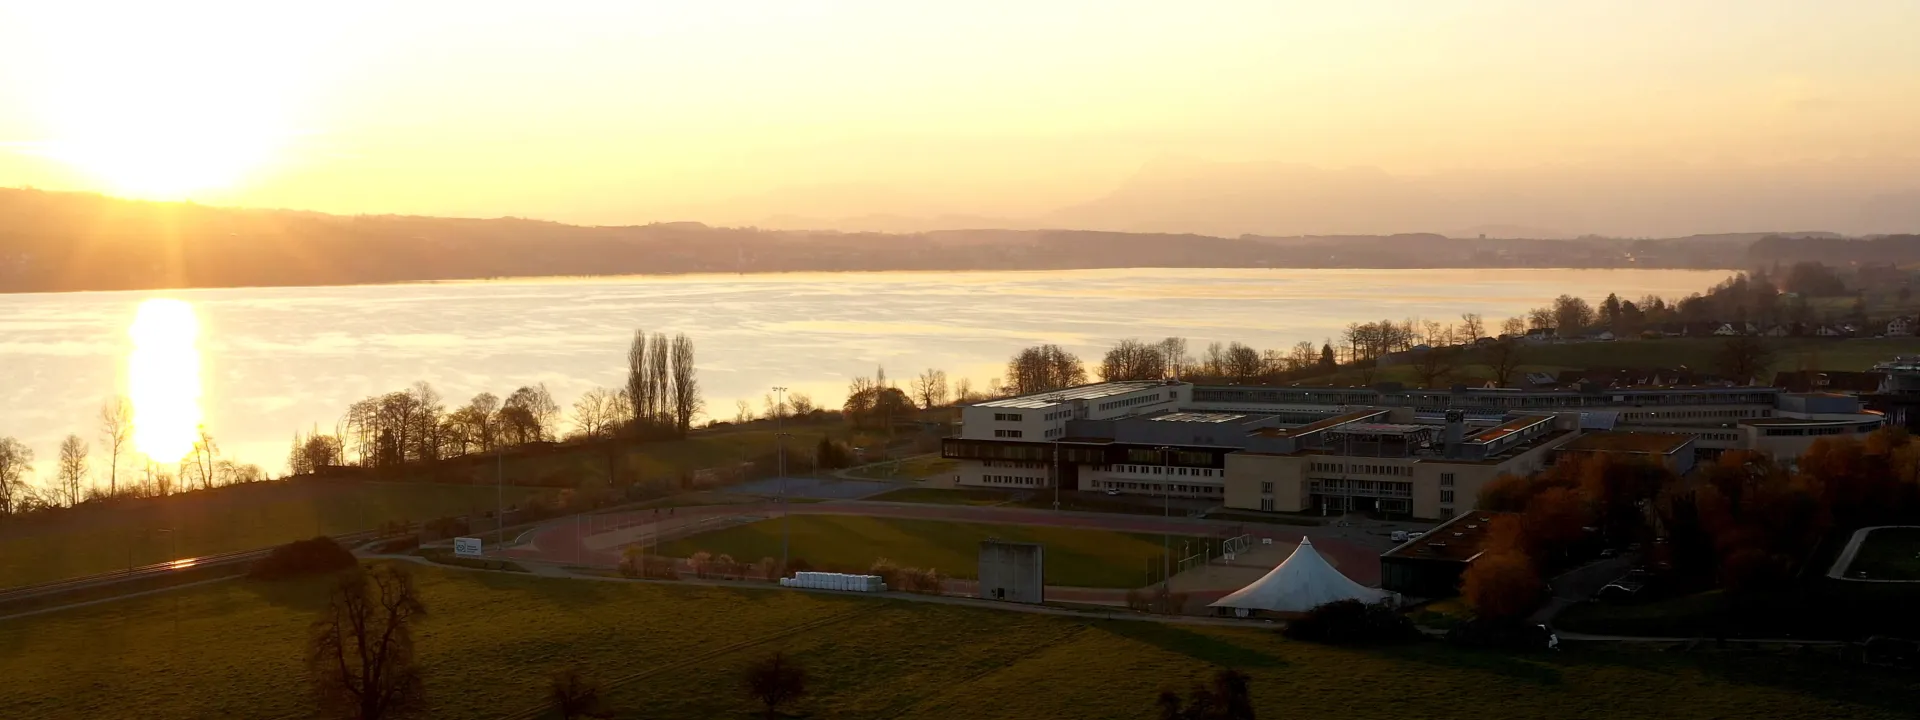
776,681
424,423
659,382
574,695
199,467
16,460
1513,326
1174,352
1472,328
685,385
930,388
1541,318
742,412
1044,367
1239,363
596,413
1131,359
1434,366
639,390
801,403
73,469
116,430
1303,356
1503,360
360,655
527,415
963,390
772,406
1743,358
1213,363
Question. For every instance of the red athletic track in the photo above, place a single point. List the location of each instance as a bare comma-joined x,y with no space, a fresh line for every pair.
560,542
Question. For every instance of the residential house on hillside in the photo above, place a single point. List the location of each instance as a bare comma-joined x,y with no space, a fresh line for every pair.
1832,381
1900,326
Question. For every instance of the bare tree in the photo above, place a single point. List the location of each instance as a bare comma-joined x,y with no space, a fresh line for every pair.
1239,363
685,385
527,415
73,469
1303,356
424,422
742,412
1472,328
116,430
1513,326
776,681
1174,350
659,379
639,391
1131,359
1503,360
1541,318
1044,367
574,695
199,466
1743,358
963,390
596,413
1433,366
16,460
801,403
360,655
930,388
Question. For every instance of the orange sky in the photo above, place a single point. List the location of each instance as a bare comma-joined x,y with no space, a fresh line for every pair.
617,112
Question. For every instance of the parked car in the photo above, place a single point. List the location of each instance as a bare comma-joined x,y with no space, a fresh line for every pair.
1415,535
1399,536
1112,492
1609,552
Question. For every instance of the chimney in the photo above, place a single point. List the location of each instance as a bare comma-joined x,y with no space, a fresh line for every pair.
1456,432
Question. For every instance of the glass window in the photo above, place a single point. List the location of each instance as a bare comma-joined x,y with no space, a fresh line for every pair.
1266,488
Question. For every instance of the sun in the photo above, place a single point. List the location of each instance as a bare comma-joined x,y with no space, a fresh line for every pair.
165,100
163,379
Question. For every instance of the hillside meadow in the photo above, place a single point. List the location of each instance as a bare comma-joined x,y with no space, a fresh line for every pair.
232,650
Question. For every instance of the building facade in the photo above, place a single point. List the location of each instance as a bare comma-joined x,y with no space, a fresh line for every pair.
1419,453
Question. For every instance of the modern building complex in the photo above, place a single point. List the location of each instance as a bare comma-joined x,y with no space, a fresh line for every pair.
1423,453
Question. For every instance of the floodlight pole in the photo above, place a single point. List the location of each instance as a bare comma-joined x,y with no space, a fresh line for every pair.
780,452
1166,516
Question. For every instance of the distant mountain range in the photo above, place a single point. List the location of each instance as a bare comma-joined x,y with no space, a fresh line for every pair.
1550,202
72,241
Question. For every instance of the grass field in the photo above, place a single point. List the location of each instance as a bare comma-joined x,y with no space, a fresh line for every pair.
913,468
1079,558
490,641
100,539
1889,554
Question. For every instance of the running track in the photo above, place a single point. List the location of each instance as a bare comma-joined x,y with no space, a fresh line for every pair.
559,541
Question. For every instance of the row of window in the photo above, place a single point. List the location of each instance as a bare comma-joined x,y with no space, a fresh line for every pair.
1158,470
1184,457
1446,480
1008,417
1694,414
1402,470
1130,402
1059,414
1008,433
1010,480
1159,487
1056,432
1444,400
1371,488
1446,496
1011,465
1794,432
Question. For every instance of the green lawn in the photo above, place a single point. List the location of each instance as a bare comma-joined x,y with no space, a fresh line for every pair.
913,468
96,539
1079,558
489,642
1889,554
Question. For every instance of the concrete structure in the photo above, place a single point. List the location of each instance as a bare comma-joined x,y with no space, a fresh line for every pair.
1014,572
1418,453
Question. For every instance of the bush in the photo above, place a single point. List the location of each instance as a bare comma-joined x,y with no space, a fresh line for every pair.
768,569
446,527
1351,622
701,563
302,557
1157,601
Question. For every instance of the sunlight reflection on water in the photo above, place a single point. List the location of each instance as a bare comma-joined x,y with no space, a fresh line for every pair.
163,378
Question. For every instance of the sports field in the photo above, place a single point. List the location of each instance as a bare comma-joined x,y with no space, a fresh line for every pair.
1074,557
95,539
490,641
1889,554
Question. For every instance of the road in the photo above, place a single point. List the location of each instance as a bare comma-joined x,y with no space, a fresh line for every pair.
1578,584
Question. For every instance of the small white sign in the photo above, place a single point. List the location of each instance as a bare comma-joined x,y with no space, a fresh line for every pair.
466,547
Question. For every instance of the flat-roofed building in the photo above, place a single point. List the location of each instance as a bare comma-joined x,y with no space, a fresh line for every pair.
1671,450
1431,565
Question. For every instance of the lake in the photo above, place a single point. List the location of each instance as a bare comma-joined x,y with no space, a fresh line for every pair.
277,360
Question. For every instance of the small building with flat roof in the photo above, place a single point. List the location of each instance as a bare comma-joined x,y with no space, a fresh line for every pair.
1430,566
1672,450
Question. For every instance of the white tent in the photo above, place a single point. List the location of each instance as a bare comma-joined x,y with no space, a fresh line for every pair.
1300,583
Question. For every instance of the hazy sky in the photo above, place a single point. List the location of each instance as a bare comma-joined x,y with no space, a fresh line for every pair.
640,110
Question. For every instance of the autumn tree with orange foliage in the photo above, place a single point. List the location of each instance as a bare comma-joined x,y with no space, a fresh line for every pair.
1501,585
1555,520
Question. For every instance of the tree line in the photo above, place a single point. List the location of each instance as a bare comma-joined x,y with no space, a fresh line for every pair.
77,480
660,399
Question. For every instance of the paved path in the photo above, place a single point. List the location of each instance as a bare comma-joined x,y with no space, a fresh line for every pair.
1573,586
1838,570
598,540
